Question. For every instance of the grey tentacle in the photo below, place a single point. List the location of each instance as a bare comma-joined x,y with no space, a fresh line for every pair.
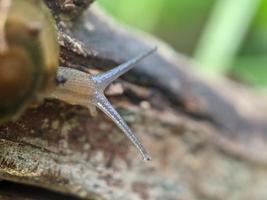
104,79
103,104
101,81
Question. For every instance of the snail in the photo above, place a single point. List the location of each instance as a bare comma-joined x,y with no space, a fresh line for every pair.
29,67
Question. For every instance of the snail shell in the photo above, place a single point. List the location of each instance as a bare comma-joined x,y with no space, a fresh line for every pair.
28,57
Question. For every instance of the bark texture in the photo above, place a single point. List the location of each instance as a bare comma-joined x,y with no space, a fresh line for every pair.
207,139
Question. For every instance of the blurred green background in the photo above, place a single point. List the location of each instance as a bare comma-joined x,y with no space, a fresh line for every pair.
226,37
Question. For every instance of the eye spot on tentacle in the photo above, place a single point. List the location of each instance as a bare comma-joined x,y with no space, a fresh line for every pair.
60,80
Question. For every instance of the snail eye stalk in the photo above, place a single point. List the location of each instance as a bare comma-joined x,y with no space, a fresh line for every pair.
103,104
102,81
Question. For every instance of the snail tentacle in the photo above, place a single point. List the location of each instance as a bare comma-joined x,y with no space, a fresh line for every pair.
103,104
104,79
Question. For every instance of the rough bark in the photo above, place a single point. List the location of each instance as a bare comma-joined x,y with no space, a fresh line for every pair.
207,139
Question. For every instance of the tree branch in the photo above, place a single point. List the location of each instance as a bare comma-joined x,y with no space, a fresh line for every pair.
202,135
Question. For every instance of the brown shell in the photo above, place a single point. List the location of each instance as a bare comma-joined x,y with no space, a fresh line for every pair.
29,62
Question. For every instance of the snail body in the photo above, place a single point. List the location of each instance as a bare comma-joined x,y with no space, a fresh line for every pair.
29,68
